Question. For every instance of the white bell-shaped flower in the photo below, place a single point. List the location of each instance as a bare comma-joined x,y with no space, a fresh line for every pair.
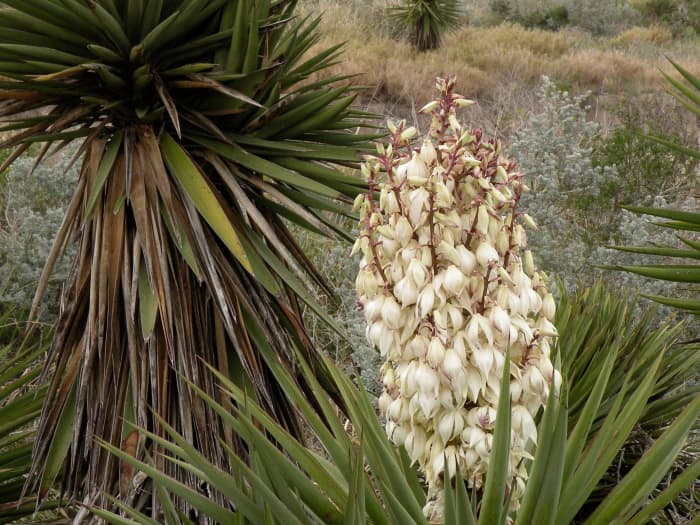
448,287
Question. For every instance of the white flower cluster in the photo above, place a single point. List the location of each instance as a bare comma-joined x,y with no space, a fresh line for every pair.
447,286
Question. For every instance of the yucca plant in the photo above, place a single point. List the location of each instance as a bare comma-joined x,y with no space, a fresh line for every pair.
20,405
687,92
593,325
359,477
201,134
426,21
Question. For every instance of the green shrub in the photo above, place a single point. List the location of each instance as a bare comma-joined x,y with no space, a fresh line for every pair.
645,169
501,8
683,16
596,16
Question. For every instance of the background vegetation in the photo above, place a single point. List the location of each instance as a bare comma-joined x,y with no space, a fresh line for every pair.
570,86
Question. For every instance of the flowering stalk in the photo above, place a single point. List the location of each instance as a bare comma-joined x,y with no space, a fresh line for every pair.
447,285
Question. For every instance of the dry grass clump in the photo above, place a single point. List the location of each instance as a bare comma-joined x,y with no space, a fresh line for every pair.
603,69
479,57
655,35
512,36
498,65
393,70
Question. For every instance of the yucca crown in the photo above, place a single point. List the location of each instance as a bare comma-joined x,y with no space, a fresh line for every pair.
203,124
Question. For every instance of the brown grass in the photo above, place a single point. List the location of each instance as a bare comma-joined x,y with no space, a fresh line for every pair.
654,35
605,70
499,66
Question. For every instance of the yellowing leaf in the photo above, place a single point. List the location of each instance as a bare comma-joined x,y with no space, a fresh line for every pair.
195,185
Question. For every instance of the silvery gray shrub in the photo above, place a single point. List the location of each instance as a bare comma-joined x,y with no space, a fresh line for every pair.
554,150
577,222
33,205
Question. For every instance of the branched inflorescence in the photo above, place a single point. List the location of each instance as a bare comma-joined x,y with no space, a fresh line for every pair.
447,287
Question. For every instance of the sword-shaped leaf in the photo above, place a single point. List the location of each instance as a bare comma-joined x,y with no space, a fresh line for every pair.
197,188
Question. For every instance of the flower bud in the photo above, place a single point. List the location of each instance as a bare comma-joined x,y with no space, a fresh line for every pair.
545,327
391,313
548,306
466,260
429,107
523,423
528,263
557,381
388,203
389,379
416,171
415,443
356,246
450,425
476,286
426,300
515,391
447,250
500,319
406,291
358,202
486,254
506,278
443,196
403,230
375,219
397,433
519,236
502,242
428,380
373,308
501,174
395,410
418,202
451,364
400,173
408,134
482,220
436,352
419,346
417,272
498,197
534,379
428,153
384,402
456,318
454,280
529,221
386,231
428,404
546,368
482,358
464,102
